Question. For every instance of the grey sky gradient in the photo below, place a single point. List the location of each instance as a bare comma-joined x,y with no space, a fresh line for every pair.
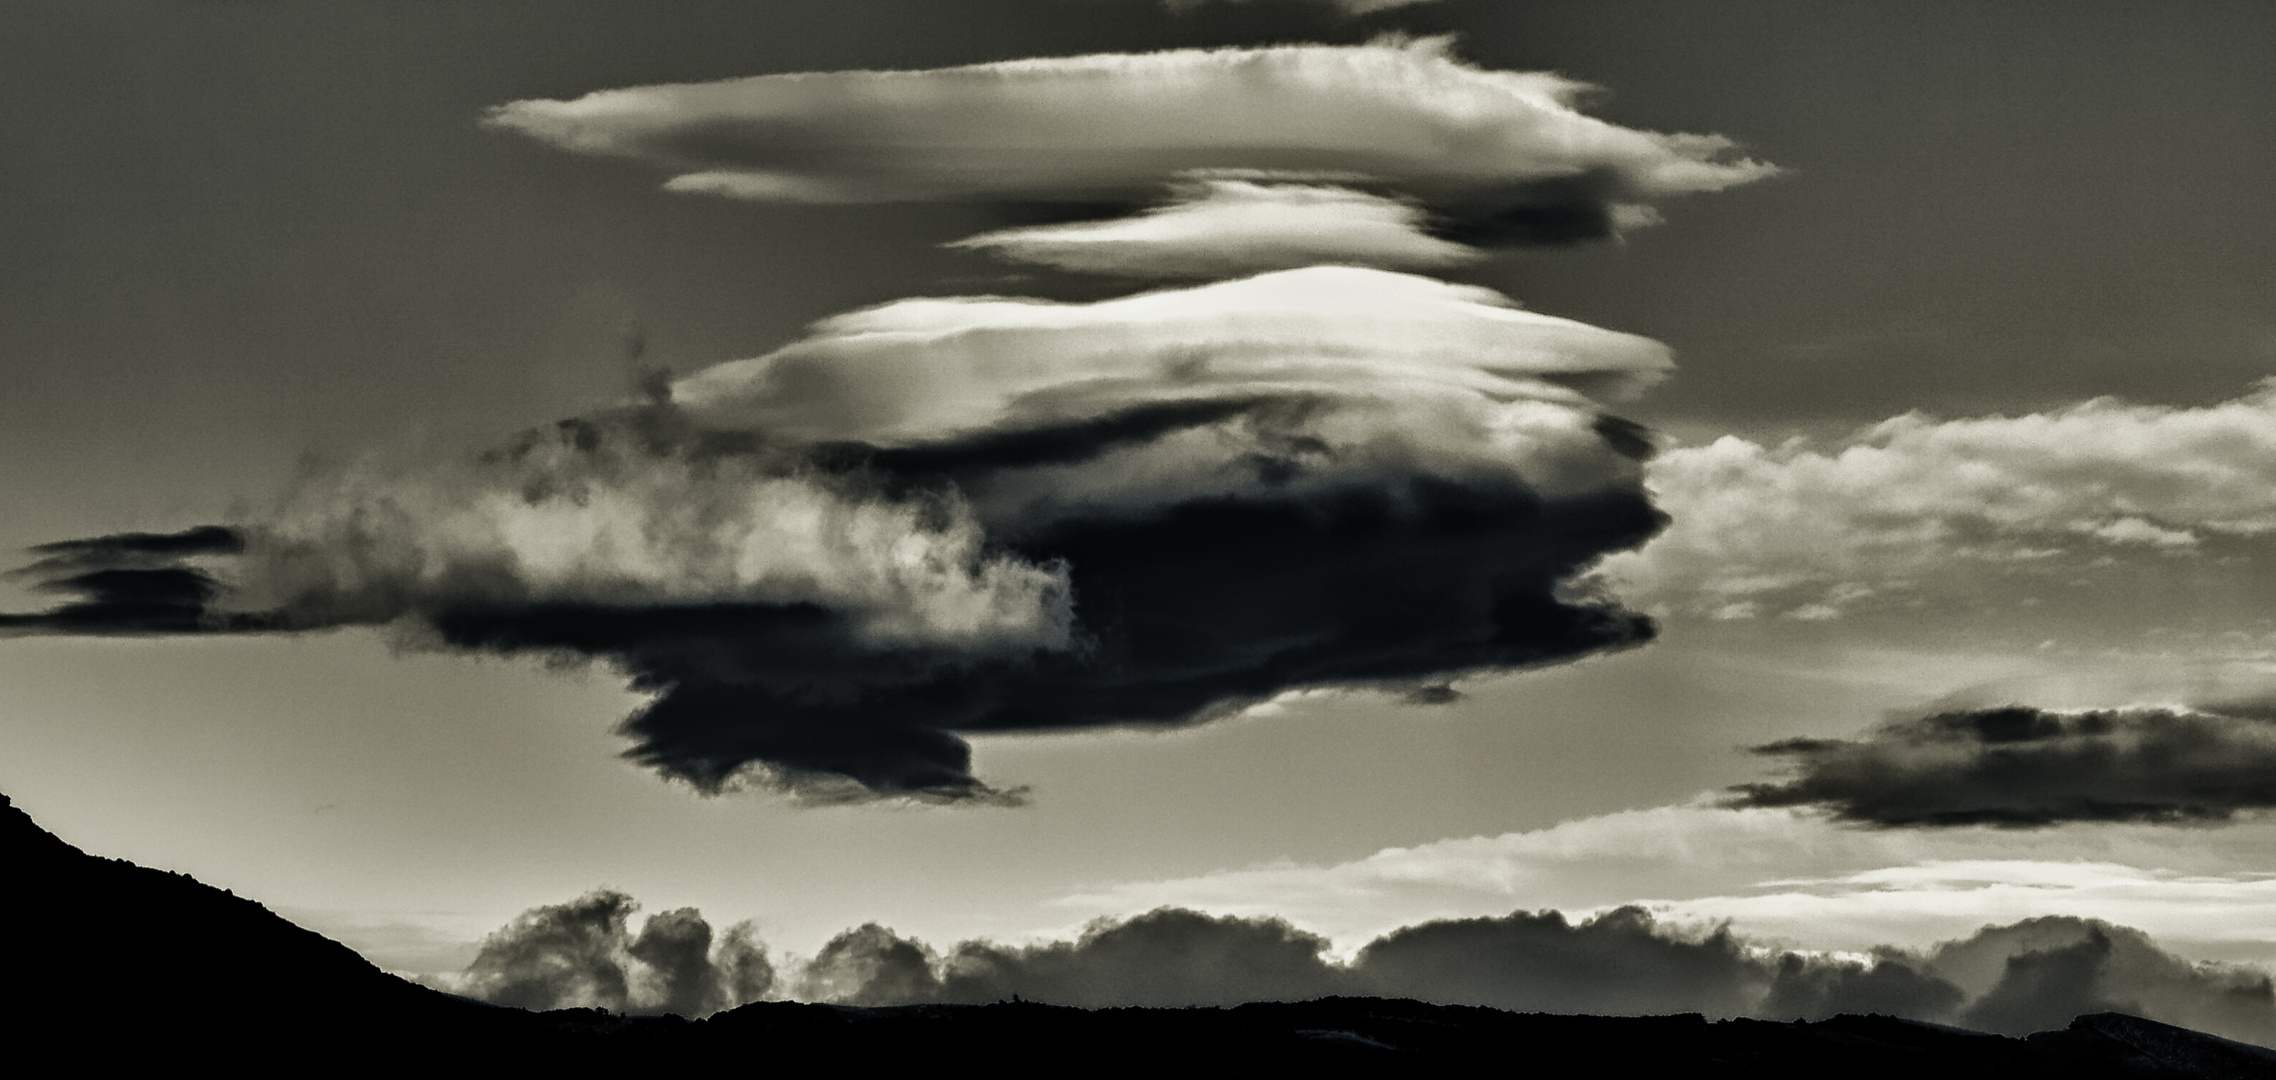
255,243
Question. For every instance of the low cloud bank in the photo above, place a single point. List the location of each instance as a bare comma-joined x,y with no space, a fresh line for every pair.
2029,976
2020,766
1915,505
583,954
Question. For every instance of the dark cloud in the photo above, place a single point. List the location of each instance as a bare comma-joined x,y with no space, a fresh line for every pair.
2048,970
127,583
1621,962
1168,957
978,514
583,954
2023,767
1893,984
870,965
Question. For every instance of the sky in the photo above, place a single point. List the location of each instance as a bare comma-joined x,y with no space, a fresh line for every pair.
1805,468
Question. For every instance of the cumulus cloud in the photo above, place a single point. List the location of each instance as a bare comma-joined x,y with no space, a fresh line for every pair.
2042,972
1773,873
1403,113
1224,228
2032,975
1914,501
2022,766
968,514
583,954
1167,957
1619,963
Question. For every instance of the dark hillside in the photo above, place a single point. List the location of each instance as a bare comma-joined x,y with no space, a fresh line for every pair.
239,987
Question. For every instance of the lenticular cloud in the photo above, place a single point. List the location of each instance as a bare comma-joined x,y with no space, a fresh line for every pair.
1402,112
953,515
1392,154
984,514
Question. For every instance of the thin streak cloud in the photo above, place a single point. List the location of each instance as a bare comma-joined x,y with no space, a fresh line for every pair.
1405,113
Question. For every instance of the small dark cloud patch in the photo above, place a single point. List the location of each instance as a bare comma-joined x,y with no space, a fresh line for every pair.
125,583
2023,767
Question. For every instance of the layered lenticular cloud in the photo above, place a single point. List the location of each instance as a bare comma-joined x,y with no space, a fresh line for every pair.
965,514
1223,228
1273,156
984,514
1914,501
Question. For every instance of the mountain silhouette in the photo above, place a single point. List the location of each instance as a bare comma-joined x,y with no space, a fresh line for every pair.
118,966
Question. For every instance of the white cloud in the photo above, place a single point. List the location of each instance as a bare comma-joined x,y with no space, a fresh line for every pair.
607,524
1398,112
1776,874
1348,7
1915,500
1222,228
1401,374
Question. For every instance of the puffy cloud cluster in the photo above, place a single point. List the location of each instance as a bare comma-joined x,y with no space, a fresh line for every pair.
583,954
1814,532
2029,976
983,514
2022,766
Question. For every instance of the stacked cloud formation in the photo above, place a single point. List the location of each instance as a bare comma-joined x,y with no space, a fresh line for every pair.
971,514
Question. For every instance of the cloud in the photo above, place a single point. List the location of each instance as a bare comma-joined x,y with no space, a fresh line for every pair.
1167,957
972,514
1618,963
1224,228
129,583
2026,976
1773,873
870,965
1914,504
2027,767
582,954
1348,7
2051,969
1402,113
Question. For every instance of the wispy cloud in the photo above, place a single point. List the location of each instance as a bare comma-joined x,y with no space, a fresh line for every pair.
1917,506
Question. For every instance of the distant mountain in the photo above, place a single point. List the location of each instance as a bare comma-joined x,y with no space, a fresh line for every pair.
120,966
